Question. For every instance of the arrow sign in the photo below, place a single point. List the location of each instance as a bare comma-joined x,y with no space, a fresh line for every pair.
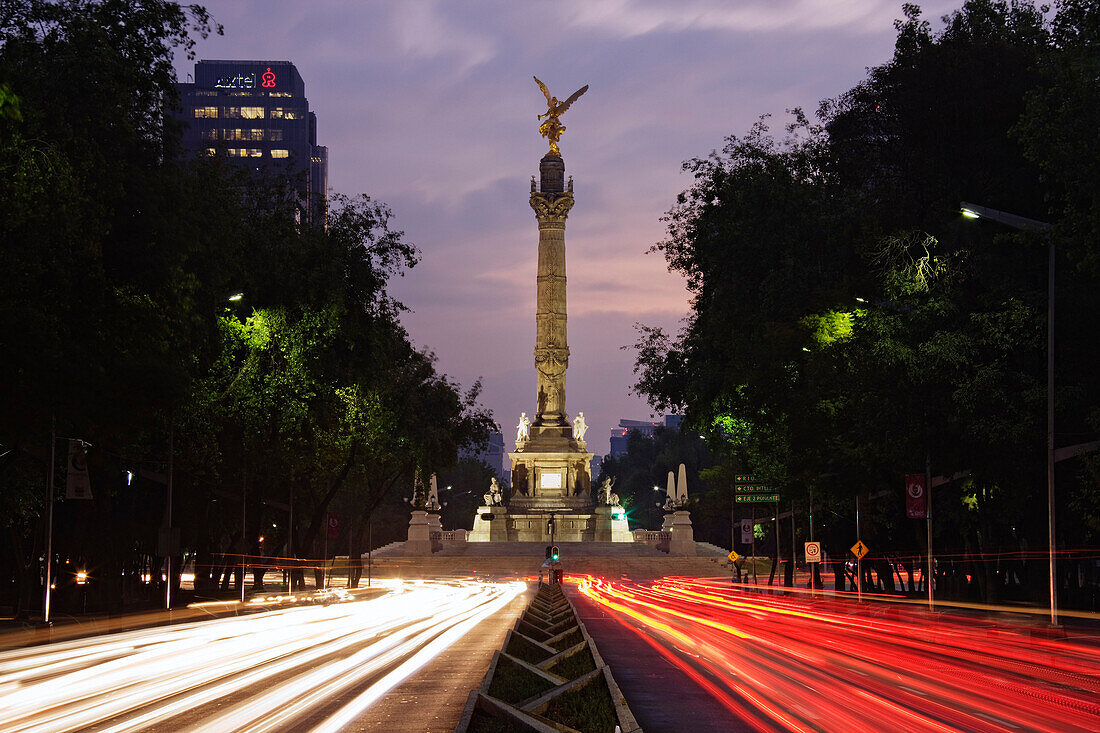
859,549
756,498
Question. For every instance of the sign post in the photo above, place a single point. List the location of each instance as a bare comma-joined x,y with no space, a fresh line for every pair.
918,505
859,550
813,556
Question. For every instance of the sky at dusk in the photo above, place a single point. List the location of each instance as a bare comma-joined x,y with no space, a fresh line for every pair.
430,107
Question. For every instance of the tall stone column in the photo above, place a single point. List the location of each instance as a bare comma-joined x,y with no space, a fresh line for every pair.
551,202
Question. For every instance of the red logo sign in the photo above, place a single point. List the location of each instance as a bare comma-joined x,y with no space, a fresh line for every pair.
268,78
916,496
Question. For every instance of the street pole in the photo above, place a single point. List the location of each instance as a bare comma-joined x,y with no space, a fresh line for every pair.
244,527
753,543
777,541
859,560
290,541
168,543
972,211
811,513
49,521
1050,431
794,550
928,507
370,548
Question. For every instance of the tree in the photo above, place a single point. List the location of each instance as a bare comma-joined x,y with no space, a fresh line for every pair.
847,324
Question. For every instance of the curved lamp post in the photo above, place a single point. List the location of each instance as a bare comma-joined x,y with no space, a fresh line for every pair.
973,211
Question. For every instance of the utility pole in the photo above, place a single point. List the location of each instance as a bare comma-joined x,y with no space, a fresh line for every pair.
169,549
928,507
244,527
49,521
859,560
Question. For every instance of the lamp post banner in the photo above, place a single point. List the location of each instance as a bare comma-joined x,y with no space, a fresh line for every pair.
916,496
746,531
77,483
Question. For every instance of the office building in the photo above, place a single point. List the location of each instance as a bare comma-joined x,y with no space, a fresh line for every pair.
256,113
619,435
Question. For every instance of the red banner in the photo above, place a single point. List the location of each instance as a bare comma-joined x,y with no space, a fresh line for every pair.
916,496
333,525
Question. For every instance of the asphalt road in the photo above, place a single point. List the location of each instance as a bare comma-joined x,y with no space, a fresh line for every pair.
783,663
321,667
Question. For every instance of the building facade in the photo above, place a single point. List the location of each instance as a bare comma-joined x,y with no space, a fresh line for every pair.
620,435
256,113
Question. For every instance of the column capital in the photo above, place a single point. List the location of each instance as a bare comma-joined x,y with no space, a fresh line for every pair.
551,209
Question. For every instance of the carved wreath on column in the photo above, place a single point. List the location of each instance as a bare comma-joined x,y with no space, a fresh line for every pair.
551,361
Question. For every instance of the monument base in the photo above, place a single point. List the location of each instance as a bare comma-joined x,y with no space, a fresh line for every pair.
420,538
683,536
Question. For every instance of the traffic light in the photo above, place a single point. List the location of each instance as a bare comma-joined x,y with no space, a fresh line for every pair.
553,553
548,551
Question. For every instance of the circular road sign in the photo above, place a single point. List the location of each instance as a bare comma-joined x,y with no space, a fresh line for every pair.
813,552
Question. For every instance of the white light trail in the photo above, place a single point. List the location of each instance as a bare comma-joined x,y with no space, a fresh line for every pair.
267,669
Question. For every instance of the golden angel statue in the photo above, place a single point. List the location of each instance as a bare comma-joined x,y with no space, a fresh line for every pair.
552,128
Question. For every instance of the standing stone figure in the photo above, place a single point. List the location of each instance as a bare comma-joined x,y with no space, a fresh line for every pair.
579,426
523,430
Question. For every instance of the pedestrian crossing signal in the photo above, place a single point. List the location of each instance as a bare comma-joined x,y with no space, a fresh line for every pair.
553,553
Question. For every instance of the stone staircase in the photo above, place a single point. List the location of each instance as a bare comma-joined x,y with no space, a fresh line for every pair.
633,560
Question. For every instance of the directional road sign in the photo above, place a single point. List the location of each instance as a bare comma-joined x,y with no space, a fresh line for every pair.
733,556
859,549
752,488
813,552
756,498
745,478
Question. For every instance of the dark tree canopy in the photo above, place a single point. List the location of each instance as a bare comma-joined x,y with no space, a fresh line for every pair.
847,322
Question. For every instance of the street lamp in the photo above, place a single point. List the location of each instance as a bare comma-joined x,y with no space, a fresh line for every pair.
972,211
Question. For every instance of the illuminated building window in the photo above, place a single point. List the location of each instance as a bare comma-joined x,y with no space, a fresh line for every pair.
252,113
211,151
285,114
278,94
275,135
250,134
204,93
209,134
280,153
206,112
255,153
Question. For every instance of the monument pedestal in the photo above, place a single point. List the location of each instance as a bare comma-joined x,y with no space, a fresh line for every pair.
420,539
435,531
683,536
490,530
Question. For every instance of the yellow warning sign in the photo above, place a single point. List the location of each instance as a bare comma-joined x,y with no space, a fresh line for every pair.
733,556
859,549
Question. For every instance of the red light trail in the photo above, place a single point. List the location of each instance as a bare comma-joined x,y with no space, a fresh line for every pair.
832,665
